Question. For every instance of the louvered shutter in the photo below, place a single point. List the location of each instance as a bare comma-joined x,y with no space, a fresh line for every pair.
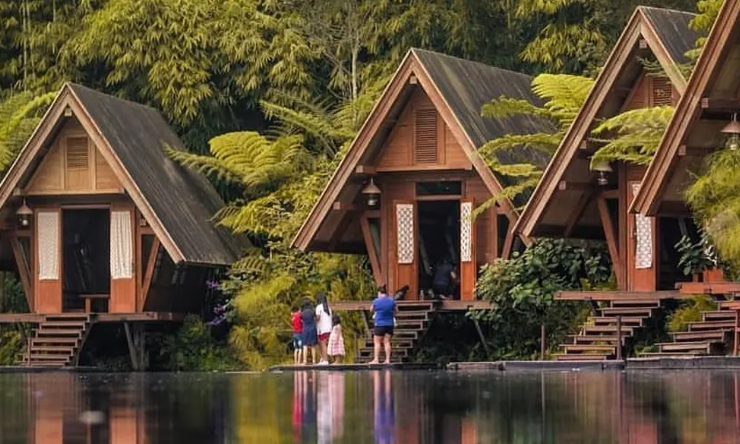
662,92
77,154
425,136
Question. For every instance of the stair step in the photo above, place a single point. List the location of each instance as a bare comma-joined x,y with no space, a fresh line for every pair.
683,336
627,311
49,357
47,364
590,339
635,303
54,340
685,346
403,343
57,332
719,315
588,347
607,329
583,357
49,348
635,321
67,317
65,324
712,325
419,315
666,355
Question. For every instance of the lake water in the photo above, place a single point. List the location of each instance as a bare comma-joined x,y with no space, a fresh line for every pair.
371,407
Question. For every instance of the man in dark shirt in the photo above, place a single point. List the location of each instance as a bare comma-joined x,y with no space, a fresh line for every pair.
444,276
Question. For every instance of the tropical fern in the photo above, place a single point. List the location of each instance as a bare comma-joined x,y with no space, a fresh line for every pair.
632,136
563,96
714,197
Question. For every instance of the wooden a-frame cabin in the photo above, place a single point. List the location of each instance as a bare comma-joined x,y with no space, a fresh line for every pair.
101,226
415,160
572,201
419,147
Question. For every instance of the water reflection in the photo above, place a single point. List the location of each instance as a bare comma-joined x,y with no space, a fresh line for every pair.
375,407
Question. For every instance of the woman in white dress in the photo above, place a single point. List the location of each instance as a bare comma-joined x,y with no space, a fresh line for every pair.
324,325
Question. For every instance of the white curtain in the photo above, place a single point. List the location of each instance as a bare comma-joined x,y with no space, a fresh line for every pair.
121,245
48,244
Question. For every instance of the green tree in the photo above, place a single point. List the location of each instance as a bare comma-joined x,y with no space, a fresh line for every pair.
19,115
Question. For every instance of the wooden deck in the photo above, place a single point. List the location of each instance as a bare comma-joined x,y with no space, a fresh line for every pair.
710,288
439,305
618,295
149,316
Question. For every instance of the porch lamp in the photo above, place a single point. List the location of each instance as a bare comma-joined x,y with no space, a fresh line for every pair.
732,130
603,168
24,214
371,193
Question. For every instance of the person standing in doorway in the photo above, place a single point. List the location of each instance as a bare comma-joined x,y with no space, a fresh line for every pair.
323,320
384,309
309,336
444,278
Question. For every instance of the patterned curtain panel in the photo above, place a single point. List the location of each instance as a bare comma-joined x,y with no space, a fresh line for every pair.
644,234
48,245
405,221
466,237
121,245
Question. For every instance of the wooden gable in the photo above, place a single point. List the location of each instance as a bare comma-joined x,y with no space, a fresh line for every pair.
421,140
73,165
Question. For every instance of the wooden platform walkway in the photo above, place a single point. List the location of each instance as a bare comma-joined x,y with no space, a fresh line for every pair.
448,305
355,367
618,295
149,316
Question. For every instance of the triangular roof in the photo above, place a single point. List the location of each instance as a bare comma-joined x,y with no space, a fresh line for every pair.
668,36
714,80
458,88
178,203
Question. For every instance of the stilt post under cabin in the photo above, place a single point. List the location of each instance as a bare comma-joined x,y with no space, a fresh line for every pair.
543,342
619,337
136,346
735,334
480,335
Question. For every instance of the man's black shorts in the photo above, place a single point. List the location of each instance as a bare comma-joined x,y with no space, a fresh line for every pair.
383,330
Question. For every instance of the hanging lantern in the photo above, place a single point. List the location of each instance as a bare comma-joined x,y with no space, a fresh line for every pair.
372,194
732,130
603,169
24,214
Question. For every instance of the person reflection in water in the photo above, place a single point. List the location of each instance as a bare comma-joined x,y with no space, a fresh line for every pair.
384,408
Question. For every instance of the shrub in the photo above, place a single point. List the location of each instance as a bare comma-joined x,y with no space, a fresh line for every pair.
192,348
690,311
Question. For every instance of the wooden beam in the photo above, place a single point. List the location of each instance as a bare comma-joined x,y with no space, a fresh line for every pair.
508,242
615,295
23,271
365,170
344,206
610,194
575,216
372,214
720,103
372,254
564,185
611,239
149,273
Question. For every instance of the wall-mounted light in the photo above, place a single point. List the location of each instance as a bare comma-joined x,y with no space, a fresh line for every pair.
372,194
732,130
604,169
24,214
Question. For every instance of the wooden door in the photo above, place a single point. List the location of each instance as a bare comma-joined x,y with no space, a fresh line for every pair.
48,260
122,257
468,264
404,259
642,258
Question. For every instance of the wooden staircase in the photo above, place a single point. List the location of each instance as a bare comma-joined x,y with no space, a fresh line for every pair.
706,337
57,340
412,321
598,338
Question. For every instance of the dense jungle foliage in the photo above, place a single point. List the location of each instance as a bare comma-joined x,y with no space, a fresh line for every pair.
267,95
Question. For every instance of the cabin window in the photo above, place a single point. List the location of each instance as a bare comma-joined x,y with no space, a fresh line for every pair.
425,135
445,188
662,92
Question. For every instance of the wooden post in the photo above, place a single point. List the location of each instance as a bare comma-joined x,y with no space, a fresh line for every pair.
619,337
543,342
735,334
480,335
131,347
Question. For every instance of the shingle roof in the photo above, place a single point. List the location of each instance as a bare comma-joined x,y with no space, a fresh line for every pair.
184,201
673,30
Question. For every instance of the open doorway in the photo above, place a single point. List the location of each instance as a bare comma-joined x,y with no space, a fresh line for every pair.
439,247
86,256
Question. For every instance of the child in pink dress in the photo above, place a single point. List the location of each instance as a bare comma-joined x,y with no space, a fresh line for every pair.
336,341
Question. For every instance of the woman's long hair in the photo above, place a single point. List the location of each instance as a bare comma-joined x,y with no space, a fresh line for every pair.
321,299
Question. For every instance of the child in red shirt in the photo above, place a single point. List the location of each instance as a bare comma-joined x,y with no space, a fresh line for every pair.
297,323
